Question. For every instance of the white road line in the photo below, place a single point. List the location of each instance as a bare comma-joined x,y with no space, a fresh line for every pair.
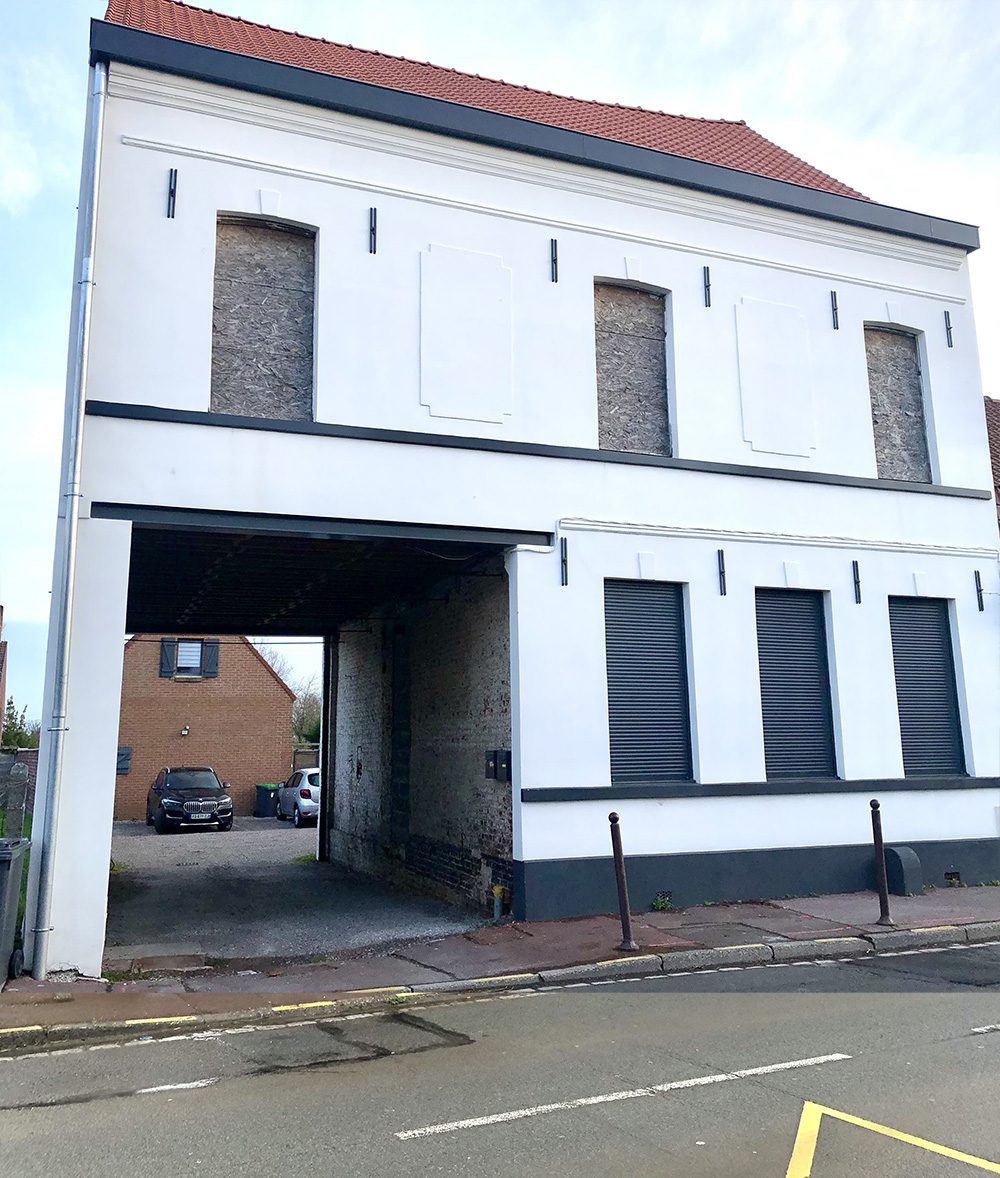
177,1087
986,1030
612,1097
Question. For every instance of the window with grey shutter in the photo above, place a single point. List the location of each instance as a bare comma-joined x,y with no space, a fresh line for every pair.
262,319
124,760
630,337
924,664
648,709
795,684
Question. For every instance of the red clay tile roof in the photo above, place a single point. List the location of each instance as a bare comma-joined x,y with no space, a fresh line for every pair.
714,141
993,431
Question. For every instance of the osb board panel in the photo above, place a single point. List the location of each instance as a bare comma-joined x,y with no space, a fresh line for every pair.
631,370
262,322
897,405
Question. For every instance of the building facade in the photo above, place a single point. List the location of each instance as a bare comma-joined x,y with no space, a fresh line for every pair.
200,700
616,476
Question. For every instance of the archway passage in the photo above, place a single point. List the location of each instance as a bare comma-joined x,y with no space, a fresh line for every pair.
416,700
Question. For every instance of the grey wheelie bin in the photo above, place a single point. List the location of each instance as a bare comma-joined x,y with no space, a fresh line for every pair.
13,853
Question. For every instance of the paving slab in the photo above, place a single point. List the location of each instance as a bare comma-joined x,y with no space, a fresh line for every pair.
549,943
940,906
710,936
364,974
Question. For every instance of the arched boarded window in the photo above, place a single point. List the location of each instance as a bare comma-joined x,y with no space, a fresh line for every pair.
897,398
262,320
630,335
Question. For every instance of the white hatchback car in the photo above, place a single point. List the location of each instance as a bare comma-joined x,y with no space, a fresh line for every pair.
298,798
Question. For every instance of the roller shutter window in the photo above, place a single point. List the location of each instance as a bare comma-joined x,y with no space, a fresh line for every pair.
924,664
795,684
648,708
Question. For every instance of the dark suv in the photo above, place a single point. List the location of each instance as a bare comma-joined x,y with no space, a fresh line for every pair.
188,797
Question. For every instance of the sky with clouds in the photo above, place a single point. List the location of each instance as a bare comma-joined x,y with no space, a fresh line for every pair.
898,98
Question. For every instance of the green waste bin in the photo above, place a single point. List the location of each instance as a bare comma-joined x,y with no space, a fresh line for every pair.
266,801
12,856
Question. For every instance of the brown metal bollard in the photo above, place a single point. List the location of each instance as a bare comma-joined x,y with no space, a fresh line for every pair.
880,875
628,945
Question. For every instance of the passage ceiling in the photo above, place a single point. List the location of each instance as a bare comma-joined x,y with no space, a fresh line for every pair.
279,576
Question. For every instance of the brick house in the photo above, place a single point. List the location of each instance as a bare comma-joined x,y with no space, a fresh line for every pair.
200,701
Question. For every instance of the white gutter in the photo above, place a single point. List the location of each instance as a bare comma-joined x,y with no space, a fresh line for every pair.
64,573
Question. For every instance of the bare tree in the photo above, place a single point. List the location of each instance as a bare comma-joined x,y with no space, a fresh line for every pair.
308,701
279,662
306,713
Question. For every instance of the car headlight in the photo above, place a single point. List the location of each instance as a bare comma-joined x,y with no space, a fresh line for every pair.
172,804
225,803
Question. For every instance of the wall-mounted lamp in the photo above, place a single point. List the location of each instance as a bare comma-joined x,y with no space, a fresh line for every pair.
185,730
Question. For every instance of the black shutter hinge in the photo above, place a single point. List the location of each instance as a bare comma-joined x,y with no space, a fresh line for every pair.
373,231
172,193
706,277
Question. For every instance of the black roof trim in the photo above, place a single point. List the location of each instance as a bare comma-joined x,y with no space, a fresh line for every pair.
114,42
261,523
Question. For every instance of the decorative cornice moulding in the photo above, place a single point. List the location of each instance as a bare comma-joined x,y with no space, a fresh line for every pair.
716,534
276,114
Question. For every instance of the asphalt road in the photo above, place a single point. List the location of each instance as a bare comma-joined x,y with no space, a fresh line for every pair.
735,1072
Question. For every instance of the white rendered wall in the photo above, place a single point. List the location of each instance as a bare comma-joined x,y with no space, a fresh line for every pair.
86,808
239,153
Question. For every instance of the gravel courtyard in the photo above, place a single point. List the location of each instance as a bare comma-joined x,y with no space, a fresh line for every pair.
253,892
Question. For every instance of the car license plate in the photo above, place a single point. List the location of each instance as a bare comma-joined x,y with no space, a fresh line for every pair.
199,816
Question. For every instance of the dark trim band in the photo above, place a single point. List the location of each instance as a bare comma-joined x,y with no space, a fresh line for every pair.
753,789
297,525
324,429
113,42
553,889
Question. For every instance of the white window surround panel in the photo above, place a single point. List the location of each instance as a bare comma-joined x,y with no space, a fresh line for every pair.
579,830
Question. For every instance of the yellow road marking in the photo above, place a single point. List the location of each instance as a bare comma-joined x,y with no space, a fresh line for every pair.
20,1030
804,1150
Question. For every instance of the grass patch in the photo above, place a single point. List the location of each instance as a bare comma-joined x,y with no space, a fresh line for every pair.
117,868
304,859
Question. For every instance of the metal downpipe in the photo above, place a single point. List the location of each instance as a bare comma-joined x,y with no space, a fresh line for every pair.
64,573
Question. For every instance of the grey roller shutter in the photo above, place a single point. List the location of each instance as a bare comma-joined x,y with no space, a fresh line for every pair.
647,682
795,684
922,657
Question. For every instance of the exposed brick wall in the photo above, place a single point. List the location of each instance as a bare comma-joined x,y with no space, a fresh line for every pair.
449,828
240,722
629,327
897,405
360,829
459,708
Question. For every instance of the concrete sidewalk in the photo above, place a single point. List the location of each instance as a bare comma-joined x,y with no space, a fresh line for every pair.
187,991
